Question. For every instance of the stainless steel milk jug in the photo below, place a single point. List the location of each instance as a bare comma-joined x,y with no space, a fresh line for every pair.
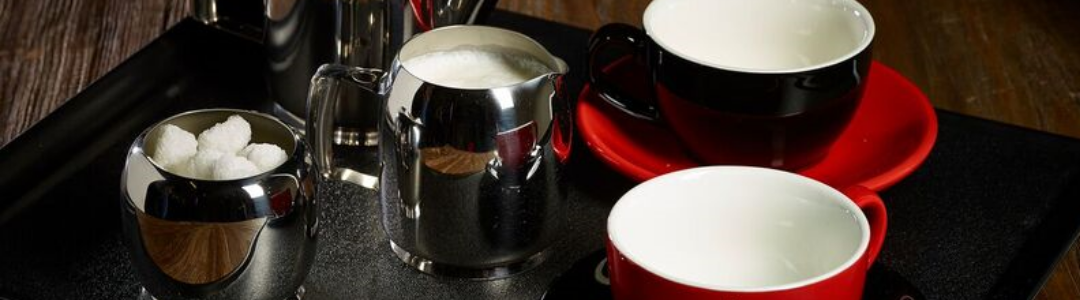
470,179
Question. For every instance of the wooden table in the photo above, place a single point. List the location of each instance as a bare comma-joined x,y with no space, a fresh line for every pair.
1012,61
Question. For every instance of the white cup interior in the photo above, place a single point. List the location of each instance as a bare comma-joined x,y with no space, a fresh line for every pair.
741,229
761,36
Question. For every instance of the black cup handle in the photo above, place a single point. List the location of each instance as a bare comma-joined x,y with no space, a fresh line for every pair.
604,50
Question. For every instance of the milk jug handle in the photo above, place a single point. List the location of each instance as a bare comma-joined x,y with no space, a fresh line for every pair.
323,99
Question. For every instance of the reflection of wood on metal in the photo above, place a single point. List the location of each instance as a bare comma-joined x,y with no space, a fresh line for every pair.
197,252
448,160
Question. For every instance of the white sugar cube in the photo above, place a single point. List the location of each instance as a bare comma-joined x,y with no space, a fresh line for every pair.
183,169
218,153
174,147
265,156
228,137
233,167
202,164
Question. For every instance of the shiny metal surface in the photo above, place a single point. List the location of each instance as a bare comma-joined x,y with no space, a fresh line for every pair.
204,11
471,179
241,17
451,12
301,35
249,238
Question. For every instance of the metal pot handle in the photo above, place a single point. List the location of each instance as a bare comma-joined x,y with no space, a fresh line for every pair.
323,97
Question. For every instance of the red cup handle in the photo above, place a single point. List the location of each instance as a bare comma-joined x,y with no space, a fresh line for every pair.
874,208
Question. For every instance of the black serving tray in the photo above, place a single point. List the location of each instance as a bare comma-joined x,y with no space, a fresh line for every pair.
986,217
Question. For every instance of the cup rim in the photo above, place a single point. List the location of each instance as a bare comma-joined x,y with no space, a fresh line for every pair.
860,11
835,196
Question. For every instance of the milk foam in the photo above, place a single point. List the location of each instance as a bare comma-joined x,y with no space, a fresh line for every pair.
762,35
762,237
475,67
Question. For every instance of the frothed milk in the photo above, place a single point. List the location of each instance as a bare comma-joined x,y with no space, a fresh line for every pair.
759,35
475,67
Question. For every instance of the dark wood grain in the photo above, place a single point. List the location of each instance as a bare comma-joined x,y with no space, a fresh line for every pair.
51,50
1011,61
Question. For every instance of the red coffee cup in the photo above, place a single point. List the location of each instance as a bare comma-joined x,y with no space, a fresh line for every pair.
740,233
769,83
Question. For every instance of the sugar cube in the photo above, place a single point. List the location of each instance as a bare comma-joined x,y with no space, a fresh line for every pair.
174,146
233,167
183,169
265,156
202,164
228,137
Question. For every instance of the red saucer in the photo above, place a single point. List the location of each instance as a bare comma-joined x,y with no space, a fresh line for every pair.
891,134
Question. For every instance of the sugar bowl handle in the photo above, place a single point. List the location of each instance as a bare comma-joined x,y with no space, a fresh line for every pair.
323,98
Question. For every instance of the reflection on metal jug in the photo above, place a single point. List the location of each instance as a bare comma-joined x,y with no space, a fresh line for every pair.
471,178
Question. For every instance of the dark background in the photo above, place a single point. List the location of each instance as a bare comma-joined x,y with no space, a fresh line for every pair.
1012,61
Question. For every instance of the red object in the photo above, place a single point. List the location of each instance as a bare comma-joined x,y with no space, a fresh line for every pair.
629,281
892,132
515,146
561,141
423,19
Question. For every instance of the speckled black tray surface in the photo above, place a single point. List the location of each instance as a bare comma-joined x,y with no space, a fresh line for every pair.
985,217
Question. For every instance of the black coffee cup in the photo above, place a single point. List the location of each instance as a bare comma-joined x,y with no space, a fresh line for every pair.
769,83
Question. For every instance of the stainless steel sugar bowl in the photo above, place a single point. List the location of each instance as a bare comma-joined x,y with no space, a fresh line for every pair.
248,238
